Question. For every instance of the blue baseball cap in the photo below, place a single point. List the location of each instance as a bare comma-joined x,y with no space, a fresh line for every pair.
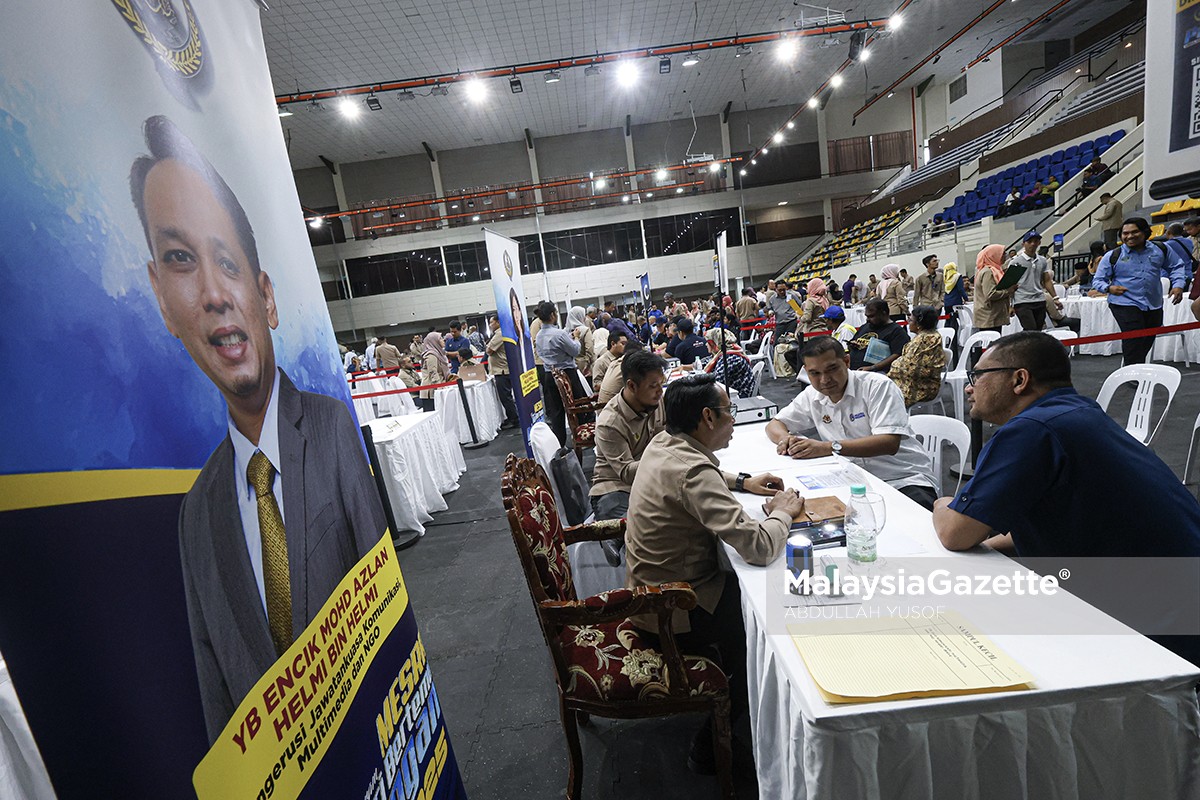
834,312
1031,236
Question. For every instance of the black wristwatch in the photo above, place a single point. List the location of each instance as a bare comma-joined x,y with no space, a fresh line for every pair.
740,483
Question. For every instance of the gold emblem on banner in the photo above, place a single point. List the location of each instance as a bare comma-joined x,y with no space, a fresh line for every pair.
508,265
171,34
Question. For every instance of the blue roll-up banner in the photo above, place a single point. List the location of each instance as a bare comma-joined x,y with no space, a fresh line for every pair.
503,260
645,282
174,408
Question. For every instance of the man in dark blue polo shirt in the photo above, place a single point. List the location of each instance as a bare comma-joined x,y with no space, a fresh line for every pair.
454,343
688,346
1036,478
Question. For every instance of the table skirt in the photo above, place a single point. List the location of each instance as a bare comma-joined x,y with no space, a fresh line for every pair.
486,410
420,463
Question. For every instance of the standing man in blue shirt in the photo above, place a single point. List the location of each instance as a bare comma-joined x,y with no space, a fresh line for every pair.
558,350
454,343
1130,276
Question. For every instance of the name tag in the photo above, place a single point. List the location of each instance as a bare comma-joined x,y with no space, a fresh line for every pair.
859,415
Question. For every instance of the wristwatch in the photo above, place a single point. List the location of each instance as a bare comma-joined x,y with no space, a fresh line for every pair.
740,483
837,447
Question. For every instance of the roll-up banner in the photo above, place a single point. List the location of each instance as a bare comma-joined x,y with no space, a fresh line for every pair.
721,265
503,260
198,592
1172,136
644,280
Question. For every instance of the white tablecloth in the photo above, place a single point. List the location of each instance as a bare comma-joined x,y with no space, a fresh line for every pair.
1113,715
486,410
420,462
1097,320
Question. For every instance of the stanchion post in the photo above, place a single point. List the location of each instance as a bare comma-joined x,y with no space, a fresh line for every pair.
475,443
410,537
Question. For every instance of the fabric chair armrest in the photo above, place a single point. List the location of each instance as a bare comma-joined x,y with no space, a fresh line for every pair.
595,531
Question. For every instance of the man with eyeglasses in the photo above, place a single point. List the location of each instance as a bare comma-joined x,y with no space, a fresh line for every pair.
680,504
856,414
1028,492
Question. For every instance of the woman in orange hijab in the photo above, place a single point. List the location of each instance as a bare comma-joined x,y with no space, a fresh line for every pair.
993,306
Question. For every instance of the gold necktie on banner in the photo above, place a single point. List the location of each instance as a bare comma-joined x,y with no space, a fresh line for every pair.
277,581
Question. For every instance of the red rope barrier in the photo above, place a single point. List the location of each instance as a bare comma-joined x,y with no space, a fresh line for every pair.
1112,337
403,391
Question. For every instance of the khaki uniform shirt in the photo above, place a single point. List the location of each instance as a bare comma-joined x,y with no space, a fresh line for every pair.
497,355
747,307
680,506
622,435
600,368
534,327
613,381
432,372
388,356
897,298
991,305
929,291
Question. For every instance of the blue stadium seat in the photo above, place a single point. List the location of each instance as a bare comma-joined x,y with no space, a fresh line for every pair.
1043,161
1057,157
1115,137
1070,152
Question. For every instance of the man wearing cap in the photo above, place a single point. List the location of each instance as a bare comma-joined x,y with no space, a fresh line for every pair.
838,327
1038,279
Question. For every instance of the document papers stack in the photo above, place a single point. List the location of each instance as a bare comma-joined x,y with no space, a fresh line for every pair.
869,660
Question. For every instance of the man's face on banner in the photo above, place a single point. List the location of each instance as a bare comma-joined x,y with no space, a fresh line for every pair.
210,295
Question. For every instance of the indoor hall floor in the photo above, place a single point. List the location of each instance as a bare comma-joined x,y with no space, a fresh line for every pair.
493,671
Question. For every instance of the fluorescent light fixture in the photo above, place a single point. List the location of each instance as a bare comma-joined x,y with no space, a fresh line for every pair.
475,218
664,66
514,85
691,60
778,137
373,103
835,81
405,94
601,183
782,202
895,22
627,72
475,89
349,108
553,76
786,50
661,175
283,112
813,102
316,222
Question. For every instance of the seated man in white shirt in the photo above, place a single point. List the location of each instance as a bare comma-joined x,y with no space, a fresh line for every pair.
858,415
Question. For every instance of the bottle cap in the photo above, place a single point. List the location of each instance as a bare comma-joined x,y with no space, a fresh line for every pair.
858,490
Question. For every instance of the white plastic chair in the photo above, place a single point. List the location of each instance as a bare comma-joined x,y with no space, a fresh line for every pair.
764,354
364,409
1147,377
1060,290
1166,285
1064,334
931,431
947,336
1187,465
957,380
757,372
545,444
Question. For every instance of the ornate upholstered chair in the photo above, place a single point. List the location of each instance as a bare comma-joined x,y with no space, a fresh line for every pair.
583,434
603,664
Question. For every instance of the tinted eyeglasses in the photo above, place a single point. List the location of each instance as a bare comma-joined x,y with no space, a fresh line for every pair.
973,374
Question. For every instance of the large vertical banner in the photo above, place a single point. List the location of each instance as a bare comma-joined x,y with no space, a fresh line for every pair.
503,263
644,280
1172,161
721,265
198,593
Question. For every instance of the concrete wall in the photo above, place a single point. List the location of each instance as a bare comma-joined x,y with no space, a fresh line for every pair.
365,181
484,166
576,153
764,122
315,187
985,85
888,114
667,142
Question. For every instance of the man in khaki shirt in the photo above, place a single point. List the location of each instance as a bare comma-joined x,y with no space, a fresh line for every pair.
386,354
614,376
929,289
680,506
625,427
498,369
616,348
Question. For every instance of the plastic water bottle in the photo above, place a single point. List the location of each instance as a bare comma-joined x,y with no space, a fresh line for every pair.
862,528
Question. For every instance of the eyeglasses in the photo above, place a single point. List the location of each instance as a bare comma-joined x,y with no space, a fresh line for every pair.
731,408
973,374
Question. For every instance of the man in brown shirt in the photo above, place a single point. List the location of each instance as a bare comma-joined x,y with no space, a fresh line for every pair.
680,506
387,355
498,369
616,348
929,289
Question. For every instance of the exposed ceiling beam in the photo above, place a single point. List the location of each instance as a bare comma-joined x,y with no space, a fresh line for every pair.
1040,18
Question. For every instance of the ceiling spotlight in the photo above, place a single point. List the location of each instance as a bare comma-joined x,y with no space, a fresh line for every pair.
373,103
937,58
405,94
1129,44
754,162
835,81
891,94
649,194
553,76
895,22
691,60
679,190
476,90
475,218
627,72
778,137
439,89
591,70
601,183
743,50
865,55
765,151
813,102
349,108
660,175
316,222
664,66
786,50
283,112
782,203
742,172
714,166
791,125
514,84
625,199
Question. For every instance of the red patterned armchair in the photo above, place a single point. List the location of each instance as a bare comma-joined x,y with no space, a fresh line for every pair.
583,434
603,664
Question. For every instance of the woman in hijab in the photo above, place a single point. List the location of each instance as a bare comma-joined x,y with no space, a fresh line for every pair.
812,317
993,306
577,323
956,295
892,290
435,367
